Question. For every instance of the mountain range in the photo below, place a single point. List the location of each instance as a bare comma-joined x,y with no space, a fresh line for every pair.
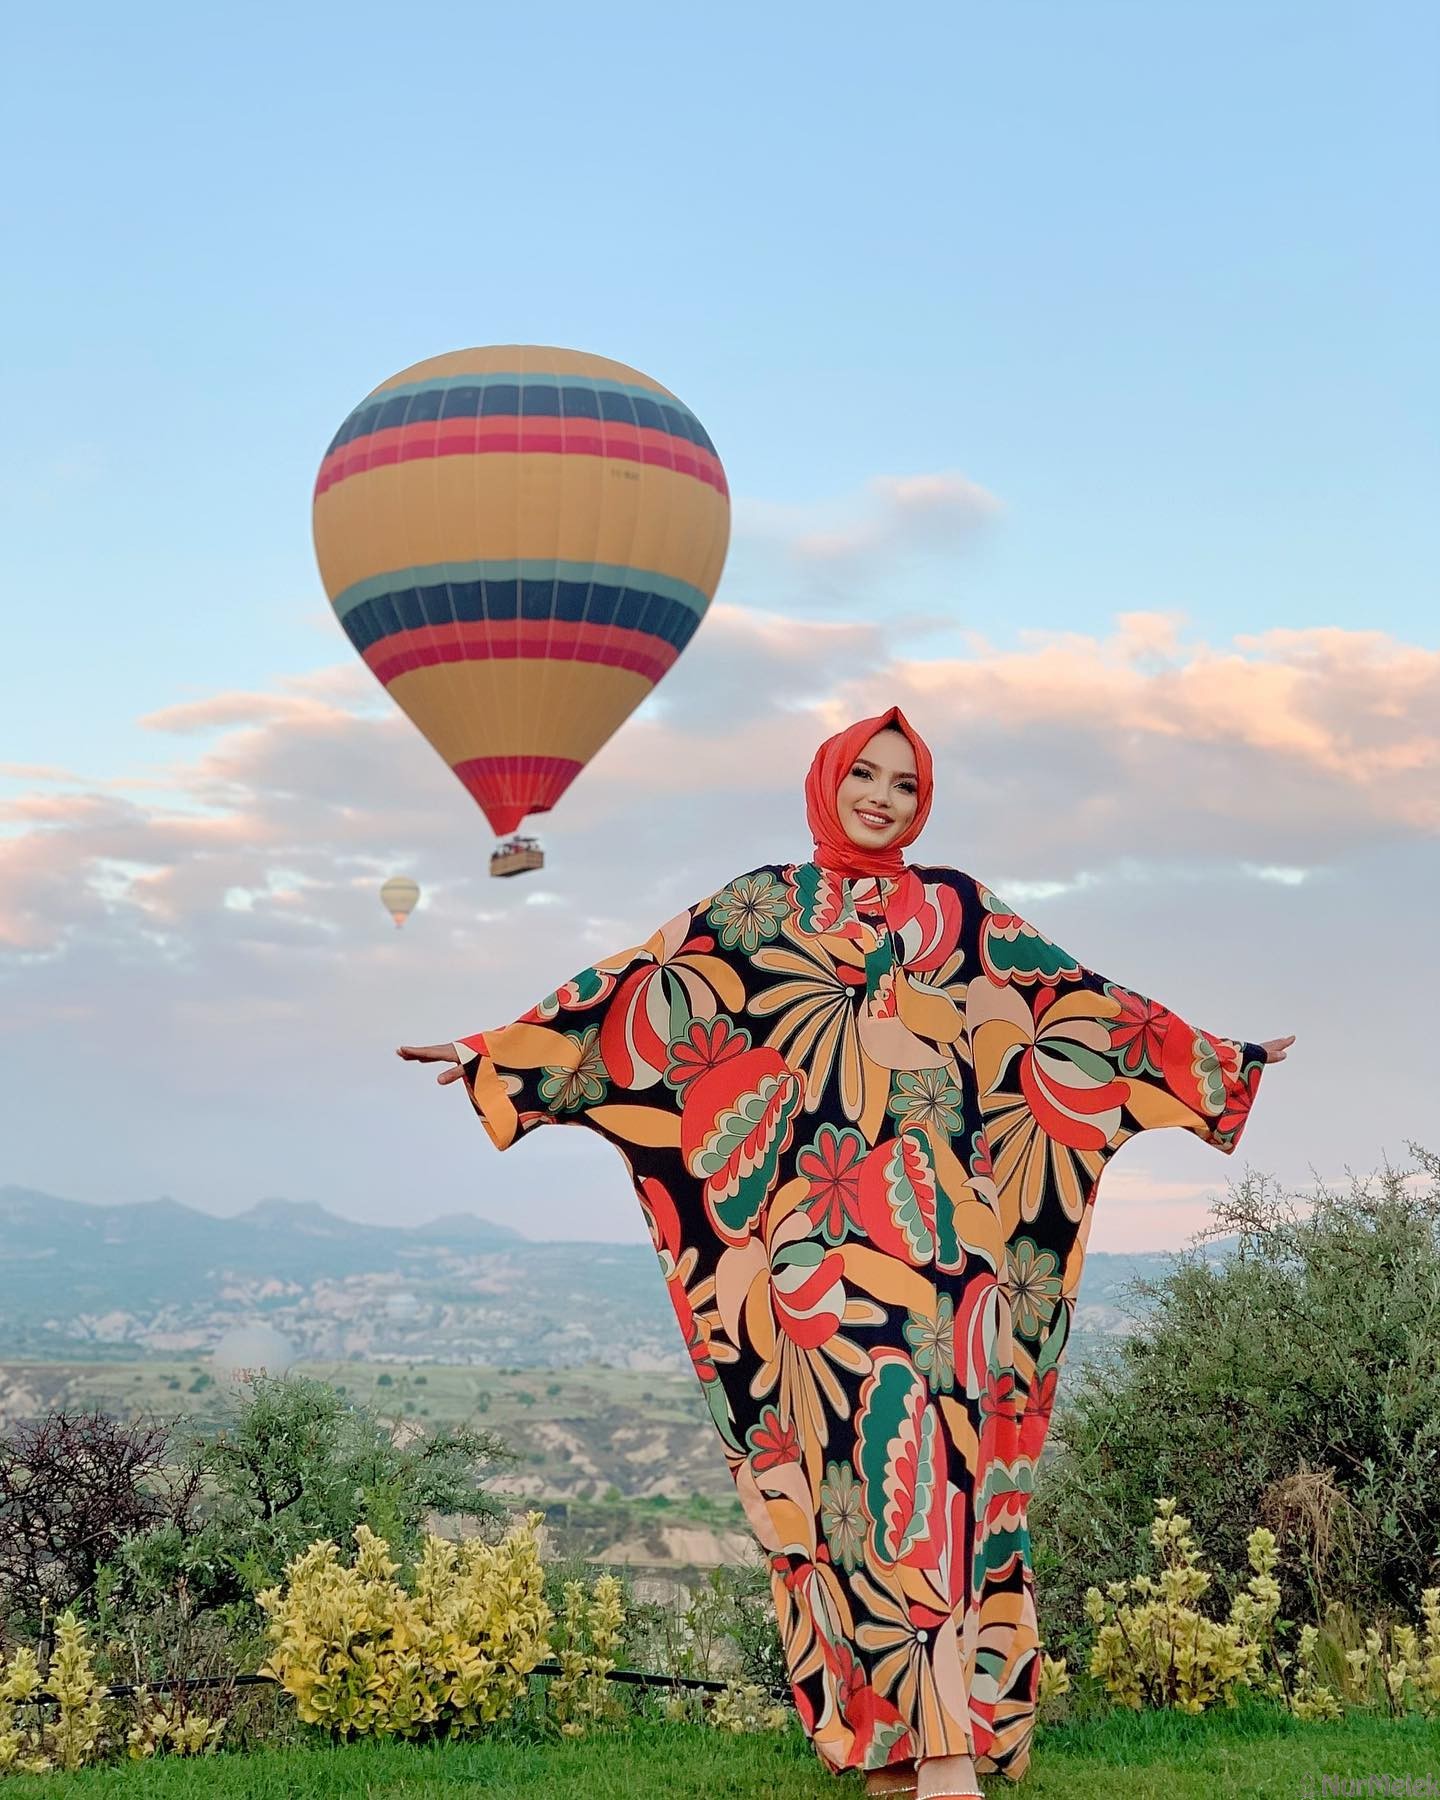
159,1278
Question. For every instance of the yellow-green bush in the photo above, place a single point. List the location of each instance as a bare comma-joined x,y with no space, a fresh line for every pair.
362,1654
20,1746
1054,1679
745,1706
168,1727
584,1640
70,1736
1158,1649
1154,1647
1398,1669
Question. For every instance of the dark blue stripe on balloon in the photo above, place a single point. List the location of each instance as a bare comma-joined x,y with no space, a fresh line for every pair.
408,608
506,399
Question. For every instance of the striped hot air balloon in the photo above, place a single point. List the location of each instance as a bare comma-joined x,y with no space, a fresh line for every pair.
398,897
520,541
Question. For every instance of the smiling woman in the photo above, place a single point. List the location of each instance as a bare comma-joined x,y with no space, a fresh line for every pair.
879,799
866,1107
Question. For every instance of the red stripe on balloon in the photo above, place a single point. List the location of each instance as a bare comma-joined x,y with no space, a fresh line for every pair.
509,787
559,437
503,639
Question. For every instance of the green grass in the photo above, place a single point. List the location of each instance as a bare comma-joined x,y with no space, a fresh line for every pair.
1251,1752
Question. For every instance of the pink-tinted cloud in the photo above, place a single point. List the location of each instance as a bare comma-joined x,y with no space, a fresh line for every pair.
36,772
204,973
225,711
1282,752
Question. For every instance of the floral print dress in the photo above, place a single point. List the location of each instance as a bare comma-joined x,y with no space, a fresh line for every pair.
866,1119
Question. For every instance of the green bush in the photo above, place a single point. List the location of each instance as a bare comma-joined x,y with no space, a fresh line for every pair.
295,1464
1296,1384
724,1628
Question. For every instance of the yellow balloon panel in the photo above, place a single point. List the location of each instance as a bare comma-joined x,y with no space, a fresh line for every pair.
525,508
443,704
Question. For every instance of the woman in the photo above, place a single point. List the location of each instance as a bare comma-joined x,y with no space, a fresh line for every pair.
865,1106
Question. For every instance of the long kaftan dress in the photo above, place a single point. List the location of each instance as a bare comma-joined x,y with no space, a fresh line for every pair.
866,1120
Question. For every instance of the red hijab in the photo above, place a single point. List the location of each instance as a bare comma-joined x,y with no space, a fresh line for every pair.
834,849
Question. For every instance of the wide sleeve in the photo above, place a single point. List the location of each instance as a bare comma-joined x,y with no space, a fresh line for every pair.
595,1051
1072,1057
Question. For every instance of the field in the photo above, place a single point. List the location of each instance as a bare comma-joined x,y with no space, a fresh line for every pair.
625,1464
1253,1752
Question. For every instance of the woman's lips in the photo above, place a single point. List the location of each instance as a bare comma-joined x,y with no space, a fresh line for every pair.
876,821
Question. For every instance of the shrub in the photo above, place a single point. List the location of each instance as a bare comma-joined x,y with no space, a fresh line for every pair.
1158,1649
746,1706
71,1736
362,1654
1396,1667
170,1725
299,1464
584,1640
1295,1384
73,1487
1154,1647
748,1612
726,1629
156,1635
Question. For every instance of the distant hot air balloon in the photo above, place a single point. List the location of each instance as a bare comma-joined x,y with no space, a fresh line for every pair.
520,541
398,897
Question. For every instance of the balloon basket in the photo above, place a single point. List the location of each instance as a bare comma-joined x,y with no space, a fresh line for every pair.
517,856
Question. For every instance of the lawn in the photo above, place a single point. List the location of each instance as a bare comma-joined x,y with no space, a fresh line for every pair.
1251,1752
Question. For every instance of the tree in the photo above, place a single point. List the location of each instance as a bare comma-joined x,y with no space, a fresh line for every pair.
73,1487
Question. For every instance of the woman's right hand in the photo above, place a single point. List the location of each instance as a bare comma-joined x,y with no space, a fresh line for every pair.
429,1053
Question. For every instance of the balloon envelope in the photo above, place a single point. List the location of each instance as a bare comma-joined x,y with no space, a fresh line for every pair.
519,541
398,897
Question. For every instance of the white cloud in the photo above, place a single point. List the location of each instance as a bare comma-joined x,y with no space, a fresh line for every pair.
902,513
859,553
202,992
1273,872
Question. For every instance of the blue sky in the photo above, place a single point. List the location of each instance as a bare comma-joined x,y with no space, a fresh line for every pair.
1156,284
1161,279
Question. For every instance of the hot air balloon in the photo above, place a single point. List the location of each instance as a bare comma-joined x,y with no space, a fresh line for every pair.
398,897
519,542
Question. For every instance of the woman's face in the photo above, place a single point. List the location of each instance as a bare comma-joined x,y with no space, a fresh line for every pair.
879,795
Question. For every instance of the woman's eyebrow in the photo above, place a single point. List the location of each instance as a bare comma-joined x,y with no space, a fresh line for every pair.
864,762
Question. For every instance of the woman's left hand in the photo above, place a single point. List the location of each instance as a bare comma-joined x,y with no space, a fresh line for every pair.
1275,1048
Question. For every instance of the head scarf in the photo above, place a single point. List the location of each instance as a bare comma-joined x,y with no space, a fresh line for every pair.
834,849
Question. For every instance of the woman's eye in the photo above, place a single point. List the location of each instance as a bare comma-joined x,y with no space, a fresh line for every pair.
864,774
